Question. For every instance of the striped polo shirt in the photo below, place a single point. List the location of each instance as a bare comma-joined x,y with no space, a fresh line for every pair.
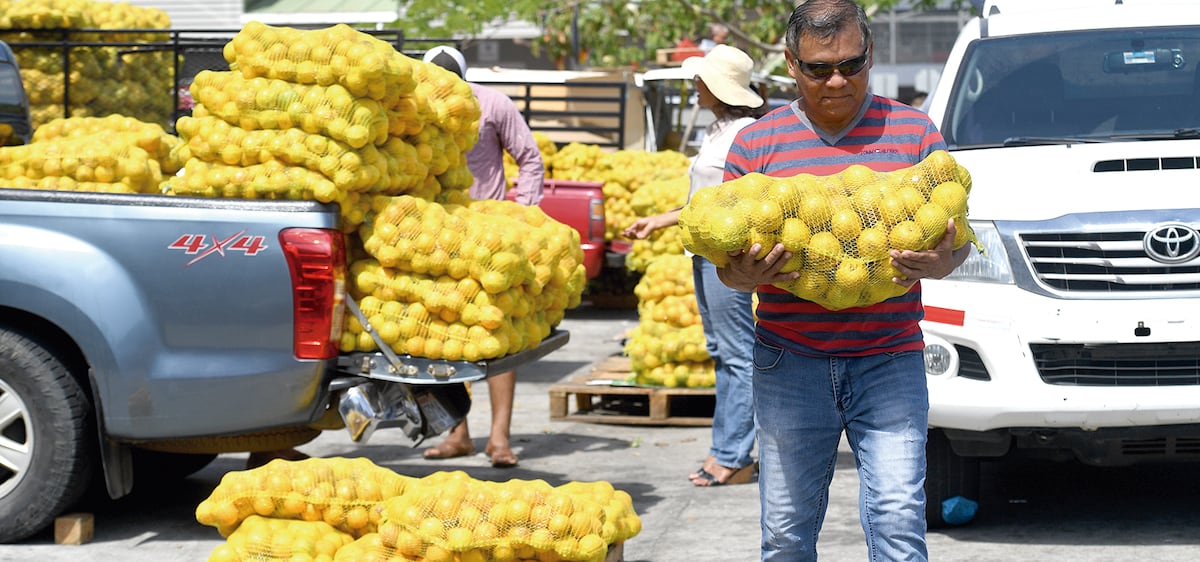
886,135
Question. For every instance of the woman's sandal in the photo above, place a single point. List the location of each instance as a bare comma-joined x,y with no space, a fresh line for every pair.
742,475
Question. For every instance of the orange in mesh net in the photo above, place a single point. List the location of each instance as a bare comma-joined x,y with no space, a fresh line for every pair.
346,493
266,103
108,159
839,228
339,54
283,540
450,516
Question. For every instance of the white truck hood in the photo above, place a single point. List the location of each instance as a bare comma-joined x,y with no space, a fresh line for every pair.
1043,182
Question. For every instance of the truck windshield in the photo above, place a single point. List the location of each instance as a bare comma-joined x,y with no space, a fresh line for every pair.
1067,87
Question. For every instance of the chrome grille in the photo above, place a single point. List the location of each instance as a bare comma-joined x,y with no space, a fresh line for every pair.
1141,364
1104,262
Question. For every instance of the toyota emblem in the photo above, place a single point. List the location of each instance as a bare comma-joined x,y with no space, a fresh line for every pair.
1172,243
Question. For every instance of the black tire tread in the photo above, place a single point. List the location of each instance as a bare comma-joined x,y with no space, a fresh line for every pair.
65,471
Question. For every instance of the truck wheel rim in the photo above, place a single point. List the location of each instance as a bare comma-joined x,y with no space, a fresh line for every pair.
16,439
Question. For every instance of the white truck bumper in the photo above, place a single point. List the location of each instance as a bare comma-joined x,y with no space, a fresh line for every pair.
1000,322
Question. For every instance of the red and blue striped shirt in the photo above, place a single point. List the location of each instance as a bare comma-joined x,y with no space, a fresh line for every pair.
887,136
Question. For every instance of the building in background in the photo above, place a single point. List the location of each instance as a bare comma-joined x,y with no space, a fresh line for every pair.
911,48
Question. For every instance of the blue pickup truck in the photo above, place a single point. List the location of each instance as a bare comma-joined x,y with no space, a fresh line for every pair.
142,335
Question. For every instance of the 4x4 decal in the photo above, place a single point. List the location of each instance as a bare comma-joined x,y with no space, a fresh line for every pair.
203,245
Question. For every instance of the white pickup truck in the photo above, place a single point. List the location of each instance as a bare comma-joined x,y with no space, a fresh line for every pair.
1076,335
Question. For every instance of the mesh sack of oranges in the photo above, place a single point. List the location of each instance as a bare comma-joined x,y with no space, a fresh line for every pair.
151,137
661,354
554,250
651,199
368,168
346,493
268,103
108,163
839,228
103,78
667,347
326,114
462,282
451,516
363,64
264,539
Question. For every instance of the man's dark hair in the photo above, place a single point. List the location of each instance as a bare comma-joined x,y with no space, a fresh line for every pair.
822,19
444,60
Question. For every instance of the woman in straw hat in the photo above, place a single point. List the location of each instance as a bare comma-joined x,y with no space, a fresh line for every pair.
723,84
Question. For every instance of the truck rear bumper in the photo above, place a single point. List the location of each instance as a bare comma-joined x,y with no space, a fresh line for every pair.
1018,360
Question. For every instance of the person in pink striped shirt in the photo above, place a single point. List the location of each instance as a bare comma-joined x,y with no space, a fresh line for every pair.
501,128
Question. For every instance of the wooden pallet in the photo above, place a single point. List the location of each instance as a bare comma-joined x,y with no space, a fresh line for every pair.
604,396
616,553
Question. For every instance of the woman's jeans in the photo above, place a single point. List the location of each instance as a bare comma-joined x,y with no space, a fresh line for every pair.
729,330
803,405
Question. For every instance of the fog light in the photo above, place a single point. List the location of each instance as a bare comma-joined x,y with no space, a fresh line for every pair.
941,359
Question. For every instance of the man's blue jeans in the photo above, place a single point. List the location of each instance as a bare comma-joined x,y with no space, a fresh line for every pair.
729,330
803,404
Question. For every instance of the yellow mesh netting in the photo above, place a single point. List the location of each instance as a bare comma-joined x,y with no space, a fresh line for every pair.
840,228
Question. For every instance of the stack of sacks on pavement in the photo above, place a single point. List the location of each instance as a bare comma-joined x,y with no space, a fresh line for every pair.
343,509
667,347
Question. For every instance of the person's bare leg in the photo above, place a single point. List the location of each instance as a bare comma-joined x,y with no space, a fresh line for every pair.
456,444
501,390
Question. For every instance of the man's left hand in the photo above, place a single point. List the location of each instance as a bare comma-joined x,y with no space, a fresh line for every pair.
930,264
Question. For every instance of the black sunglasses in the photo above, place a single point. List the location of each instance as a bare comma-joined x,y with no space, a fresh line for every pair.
823,70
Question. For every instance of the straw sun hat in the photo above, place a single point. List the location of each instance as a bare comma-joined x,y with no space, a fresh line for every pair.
725,71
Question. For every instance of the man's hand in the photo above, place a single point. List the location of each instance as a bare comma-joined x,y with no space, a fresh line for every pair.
930,264
745,272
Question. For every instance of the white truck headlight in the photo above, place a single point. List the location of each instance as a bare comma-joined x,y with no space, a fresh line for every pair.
992,265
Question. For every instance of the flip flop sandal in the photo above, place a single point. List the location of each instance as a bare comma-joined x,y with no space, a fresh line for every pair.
740,476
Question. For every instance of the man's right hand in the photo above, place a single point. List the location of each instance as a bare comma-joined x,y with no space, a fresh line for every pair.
745,272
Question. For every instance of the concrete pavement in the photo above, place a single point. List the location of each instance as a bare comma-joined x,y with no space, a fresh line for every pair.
1031,511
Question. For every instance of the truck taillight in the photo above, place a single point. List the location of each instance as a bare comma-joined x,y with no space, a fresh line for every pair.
596,227
316,259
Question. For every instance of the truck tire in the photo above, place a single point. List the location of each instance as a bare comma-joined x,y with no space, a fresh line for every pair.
947,475
47,443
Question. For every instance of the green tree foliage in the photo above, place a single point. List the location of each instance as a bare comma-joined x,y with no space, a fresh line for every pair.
619,32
